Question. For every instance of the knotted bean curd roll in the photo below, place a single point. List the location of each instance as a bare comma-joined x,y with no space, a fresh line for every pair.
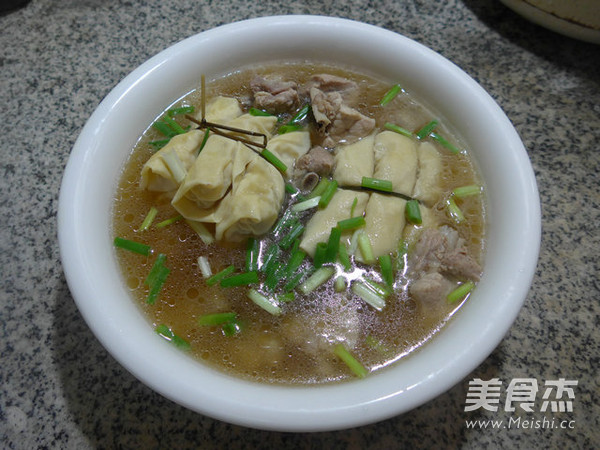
384,217
221,110
396,161
354,161
289,147
427,188
156,175
319,226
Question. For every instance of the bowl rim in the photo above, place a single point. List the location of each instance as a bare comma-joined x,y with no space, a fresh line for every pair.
84,247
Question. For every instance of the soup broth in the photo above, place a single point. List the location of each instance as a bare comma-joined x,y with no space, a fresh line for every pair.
303,343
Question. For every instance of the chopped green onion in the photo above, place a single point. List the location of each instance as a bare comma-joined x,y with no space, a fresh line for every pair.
354,242
290,188
364,244
353,207
455,211
352,223
241,279
252,253
377,184
287,297
168,334
368,295
263,302
204,266
217,277
320,187
216,318
444,143
320,252
339,285
274,277
148,219
301,114
178,129
397,129
333,244
168,222
378,288
344,257
427,129
285,222
270,259
353,364
328,194
164,128
155,270
156,285
293,281
306,204
288,128
402,253
203,143
201,231
319,277
289,238
180,110
467,191
160,143
413,212
174,164
132,246
274,160
258,112
387,271
231,328
295,261
390,95
460,292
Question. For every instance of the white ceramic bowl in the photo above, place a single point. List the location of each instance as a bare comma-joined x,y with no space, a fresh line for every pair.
94,279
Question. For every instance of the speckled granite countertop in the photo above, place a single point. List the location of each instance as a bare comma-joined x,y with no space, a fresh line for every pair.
60,389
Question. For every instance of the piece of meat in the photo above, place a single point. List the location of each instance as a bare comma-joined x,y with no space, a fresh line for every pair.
431,289
327,83
349,126
316,160
427,252
460,264
274,95
325,107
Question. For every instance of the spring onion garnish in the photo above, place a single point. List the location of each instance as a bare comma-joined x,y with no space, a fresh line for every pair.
376,184
364,244
328,194
444,143
402,255
387,271
351,224
178,129
168,222
427,129
168,334
288,128
353,207
201,230
164,128
180,110
365,292
397,129
274,277
258,112
319,277
413,212
132,246
353,364
216,319
390,95
293,281
148,219
466,191
287,297
231,328
460,292
204,266
333,244
270,259
270,157
306,204
264,302
344,257
320,252
252,253
288,219
454,210
156,278
320,188
290,188
300,115
217,277
289,238
203,143
339,285
380,289
241,279
174,164
295,261
159,144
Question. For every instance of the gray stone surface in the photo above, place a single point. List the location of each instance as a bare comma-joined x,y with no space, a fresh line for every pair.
60,389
